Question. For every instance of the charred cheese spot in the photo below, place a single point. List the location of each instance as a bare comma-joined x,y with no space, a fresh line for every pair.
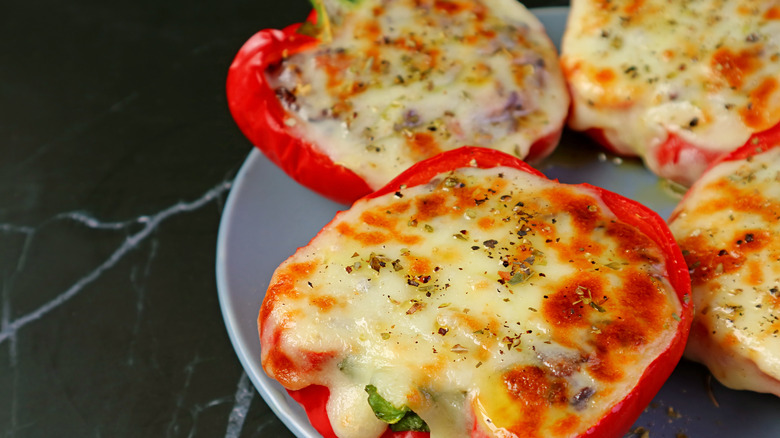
735,67
569,307
633,7
423,145
521,302
370,30
486,223
566,425
419,265
761,113
641,295
729,196
334,66
632,243
615,344
773,13
323,302
604,76
430,206
450,7
709,258
286,280
379,220
369,238
584,212
535,389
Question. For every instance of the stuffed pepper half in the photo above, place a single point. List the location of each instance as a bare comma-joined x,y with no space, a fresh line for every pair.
473,297
363,90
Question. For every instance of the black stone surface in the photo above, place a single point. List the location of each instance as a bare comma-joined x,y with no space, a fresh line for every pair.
116,154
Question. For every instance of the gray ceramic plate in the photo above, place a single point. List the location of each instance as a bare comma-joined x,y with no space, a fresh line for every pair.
268,216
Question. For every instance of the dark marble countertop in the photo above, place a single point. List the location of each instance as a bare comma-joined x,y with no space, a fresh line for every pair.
118,153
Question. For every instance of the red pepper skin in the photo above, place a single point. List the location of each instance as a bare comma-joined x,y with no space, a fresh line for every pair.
623,415
757,144
260,116
671,151
763,141
313,398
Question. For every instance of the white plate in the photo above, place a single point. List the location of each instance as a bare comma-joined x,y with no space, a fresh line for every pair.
268,216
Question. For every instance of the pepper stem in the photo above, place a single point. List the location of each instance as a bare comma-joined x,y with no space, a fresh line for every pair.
329,13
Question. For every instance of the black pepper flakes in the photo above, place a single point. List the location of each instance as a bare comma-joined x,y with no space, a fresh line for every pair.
287,98
580,400
415,307
377,262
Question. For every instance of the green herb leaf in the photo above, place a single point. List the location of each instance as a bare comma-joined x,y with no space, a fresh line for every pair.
400,420
410,422
321,29
520,277
597,307
329,15
382,408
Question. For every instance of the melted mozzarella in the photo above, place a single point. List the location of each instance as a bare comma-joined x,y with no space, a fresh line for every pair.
404,80
728,227
487,296
705,71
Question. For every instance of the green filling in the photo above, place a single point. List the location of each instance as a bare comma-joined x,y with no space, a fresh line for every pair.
410,421
400,419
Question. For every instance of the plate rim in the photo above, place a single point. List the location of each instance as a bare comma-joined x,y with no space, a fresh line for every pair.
276,400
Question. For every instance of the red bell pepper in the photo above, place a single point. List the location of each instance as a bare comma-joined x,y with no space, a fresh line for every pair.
260,116
758,143
623,414
762,141
675,148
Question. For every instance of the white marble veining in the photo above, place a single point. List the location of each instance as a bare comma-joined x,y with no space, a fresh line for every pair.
5,312
189,370
245,392
137,277
148,225
139,230
242,400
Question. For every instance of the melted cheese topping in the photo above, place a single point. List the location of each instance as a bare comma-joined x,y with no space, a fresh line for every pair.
404,80
488,298
729,229
706,71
